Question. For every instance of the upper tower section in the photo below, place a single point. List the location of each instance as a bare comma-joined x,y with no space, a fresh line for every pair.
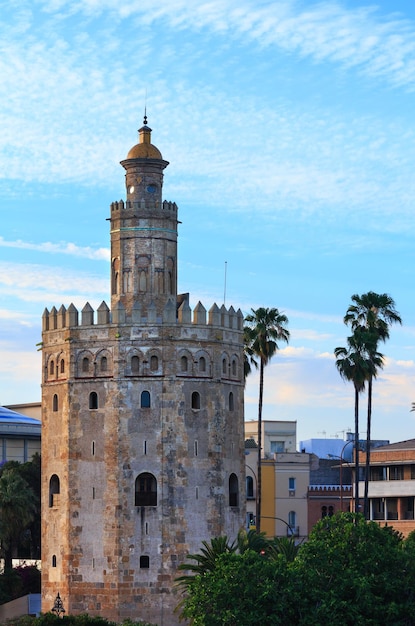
143,233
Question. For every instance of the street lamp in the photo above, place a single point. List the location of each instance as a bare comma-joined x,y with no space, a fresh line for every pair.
58,606
342,459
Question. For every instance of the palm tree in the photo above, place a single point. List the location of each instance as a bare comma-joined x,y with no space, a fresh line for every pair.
354,364
17,510
264,328
249,355
375,313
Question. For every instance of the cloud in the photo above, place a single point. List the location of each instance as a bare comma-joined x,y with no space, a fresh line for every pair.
100,254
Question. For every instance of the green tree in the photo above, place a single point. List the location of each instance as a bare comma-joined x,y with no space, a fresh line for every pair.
355,363
374,313
356,572
17,510
264,328
243,590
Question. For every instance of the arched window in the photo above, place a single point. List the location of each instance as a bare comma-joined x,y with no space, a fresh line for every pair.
54,490
62,366
93,400
85,364
144,562
145,400
331,511
54,560
323,511
233,490
135,364
195,400
104,364
55,402
230,403
202,364
154,363
52,367
249,488
183,363
233,367
145,490
223,366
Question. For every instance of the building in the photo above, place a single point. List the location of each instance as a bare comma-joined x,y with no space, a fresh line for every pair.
142,416
392,485
285,479
19,436
277,436
330,489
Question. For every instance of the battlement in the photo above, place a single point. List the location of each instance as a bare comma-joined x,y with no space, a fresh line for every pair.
170,208
179,313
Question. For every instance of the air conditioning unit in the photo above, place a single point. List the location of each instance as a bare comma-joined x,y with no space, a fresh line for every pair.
292,492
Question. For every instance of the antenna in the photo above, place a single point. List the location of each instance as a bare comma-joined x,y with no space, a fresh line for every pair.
145,109
224,289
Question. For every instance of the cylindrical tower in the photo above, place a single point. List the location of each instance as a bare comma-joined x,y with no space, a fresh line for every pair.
143,233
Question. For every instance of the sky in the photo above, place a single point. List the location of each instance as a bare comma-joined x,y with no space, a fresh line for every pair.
290,130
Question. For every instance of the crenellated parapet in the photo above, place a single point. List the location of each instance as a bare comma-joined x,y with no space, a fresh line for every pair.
221,318
167,207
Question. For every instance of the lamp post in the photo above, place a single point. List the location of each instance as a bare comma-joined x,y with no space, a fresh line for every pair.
341,459
58,607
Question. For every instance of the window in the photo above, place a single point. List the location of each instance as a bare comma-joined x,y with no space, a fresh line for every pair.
154,363
135,364
223,366
396,472
196,447
233,490
233,367
183,363
249,488
331,511
54,560
104,364
292,522
277,446
54,490
93,400
55,402
62,366
144,562
202,364
195,400
378,473
52,367
145,400
85,364
145,490
323,511
291,483
230,403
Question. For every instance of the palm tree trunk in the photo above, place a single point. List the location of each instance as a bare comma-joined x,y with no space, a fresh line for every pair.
356,449
259,476
368,436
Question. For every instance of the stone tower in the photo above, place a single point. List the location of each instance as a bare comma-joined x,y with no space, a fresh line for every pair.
142,425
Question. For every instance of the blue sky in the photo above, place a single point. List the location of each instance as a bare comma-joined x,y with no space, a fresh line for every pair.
290,131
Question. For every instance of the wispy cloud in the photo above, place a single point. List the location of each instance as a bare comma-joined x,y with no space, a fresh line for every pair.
100,254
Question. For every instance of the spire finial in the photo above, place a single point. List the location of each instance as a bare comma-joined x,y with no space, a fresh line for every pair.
145,116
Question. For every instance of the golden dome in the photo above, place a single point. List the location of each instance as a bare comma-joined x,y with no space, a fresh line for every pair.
144,149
